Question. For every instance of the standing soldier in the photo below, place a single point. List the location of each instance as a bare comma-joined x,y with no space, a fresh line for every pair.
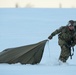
66,36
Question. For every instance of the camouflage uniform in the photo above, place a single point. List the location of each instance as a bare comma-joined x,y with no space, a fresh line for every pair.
65,37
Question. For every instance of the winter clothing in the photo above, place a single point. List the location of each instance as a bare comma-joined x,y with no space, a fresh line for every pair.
66,39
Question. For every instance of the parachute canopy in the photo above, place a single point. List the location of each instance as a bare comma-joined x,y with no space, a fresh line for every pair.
29,54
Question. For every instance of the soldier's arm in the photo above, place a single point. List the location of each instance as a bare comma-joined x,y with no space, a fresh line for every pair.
57,31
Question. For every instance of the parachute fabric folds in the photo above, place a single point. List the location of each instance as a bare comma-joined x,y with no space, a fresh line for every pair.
29,54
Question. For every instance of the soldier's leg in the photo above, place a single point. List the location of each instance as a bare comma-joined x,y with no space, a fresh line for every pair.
64,53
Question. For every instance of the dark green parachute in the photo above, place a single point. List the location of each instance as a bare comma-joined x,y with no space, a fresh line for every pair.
29,54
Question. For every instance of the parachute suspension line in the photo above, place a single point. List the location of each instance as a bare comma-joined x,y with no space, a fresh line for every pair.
48,48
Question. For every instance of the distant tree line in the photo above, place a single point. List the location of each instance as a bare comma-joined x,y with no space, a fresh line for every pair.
29,5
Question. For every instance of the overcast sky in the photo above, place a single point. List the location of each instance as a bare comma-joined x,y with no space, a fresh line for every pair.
39,3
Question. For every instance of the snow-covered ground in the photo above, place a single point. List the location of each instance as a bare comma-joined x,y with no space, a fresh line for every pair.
20,27
36,70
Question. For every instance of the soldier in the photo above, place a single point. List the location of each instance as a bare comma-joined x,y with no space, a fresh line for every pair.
66,36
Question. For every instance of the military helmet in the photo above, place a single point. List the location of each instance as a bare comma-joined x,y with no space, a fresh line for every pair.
70,23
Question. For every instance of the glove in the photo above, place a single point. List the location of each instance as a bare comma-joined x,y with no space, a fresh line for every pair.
50,37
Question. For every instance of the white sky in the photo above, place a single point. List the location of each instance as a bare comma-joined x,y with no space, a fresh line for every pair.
39,3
